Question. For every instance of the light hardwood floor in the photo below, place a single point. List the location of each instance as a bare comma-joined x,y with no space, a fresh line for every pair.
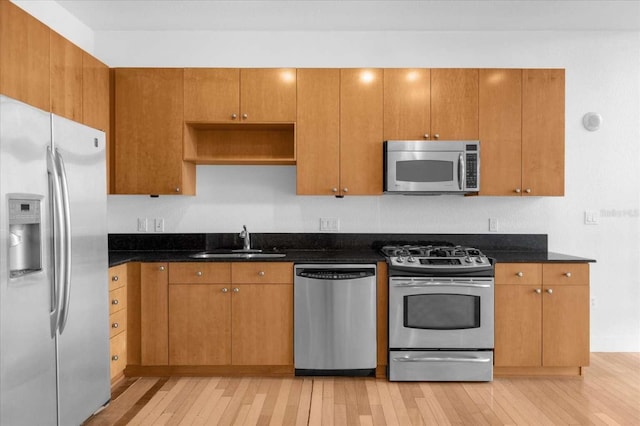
607,394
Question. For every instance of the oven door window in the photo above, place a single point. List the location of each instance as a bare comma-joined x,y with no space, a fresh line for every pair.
442,311
424,171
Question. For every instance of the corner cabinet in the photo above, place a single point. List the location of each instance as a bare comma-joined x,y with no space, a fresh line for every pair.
541,318
522,132
149,133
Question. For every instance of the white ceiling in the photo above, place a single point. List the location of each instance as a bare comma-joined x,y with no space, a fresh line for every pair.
352,15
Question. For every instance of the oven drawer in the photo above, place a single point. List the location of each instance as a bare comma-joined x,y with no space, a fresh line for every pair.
441,366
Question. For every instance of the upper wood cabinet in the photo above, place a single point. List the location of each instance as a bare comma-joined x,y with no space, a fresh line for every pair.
148,133
543,131
522,132
500,131
240,95
430,104
66,78
318,132
339,132
361,118
24,57
407,103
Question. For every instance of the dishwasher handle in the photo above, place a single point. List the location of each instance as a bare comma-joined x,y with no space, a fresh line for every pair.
334,274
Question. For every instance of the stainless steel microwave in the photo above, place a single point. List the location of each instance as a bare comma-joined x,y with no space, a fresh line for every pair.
426,167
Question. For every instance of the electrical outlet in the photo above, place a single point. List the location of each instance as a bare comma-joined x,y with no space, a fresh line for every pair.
329,224
493,224
159,224
142,224
591,217
593,302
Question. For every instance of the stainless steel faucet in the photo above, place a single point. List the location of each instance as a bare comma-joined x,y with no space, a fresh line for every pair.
247,238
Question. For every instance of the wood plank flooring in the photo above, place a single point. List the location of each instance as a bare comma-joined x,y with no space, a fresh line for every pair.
607,394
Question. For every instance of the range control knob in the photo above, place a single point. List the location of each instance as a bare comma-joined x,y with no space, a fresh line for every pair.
411,259
479,259
399,260
468,259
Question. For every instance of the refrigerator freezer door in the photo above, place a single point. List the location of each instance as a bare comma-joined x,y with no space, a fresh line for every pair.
27,346
83,343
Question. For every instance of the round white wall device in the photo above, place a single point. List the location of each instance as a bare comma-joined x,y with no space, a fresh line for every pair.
592,121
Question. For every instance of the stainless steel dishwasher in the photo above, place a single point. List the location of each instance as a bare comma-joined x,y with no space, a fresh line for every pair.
335,319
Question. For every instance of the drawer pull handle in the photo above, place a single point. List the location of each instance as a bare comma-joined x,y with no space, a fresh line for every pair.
550,290
520,274
567,274
224,289
161,268
199,273
114,278
261,273
114,302
537,290
115,325
115,358
236,290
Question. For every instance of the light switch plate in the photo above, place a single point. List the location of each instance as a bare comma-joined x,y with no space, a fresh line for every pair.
493,224
159,224
329,224
142,224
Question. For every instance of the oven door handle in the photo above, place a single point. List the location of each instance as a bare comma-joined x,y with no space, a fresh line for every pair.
420,284
443,359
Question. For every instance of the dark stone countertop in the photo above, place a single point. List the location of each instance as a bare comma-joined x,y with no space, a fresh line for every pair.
365,255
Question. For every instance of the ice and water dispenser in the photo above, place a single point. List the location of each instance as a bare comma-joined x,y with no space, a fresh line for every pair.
25,237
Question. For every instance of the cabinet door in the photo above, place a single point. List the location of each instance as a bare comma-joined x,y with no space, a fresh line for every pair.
543,131
500,131
96,91
212,94
565,319
148,132
318,132
199,324
454,103
268,94
407,103
24,57
262,324
154,314
361,117
66,78
518,325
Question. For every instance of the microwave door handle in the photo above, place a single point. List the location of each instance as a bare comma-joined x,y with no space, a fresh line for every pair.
460,170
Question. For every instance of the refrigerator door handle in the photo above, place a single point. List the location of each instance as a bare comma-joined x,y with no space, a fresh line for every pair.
58,226
66,253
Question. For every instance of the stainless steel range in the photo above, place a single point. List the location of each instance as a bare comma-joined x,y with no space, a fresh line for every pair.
440,313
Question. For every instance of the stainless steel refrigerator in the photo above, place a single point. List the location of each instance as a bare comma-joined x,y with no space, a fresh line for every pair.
54,334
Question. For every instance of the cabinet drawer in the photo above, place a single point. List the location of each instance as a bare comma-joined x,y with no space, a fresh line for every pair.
117,276
117,322
262,272
199,273
117,300
518,273
565,273
118,351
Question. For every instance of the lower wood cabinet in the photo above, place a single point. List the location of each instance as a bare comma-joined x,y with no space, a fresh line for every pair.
234,314
541,318
118,320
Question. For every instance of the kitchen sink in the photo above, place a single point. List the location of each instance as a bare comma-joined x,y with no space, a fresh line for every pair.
236,255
